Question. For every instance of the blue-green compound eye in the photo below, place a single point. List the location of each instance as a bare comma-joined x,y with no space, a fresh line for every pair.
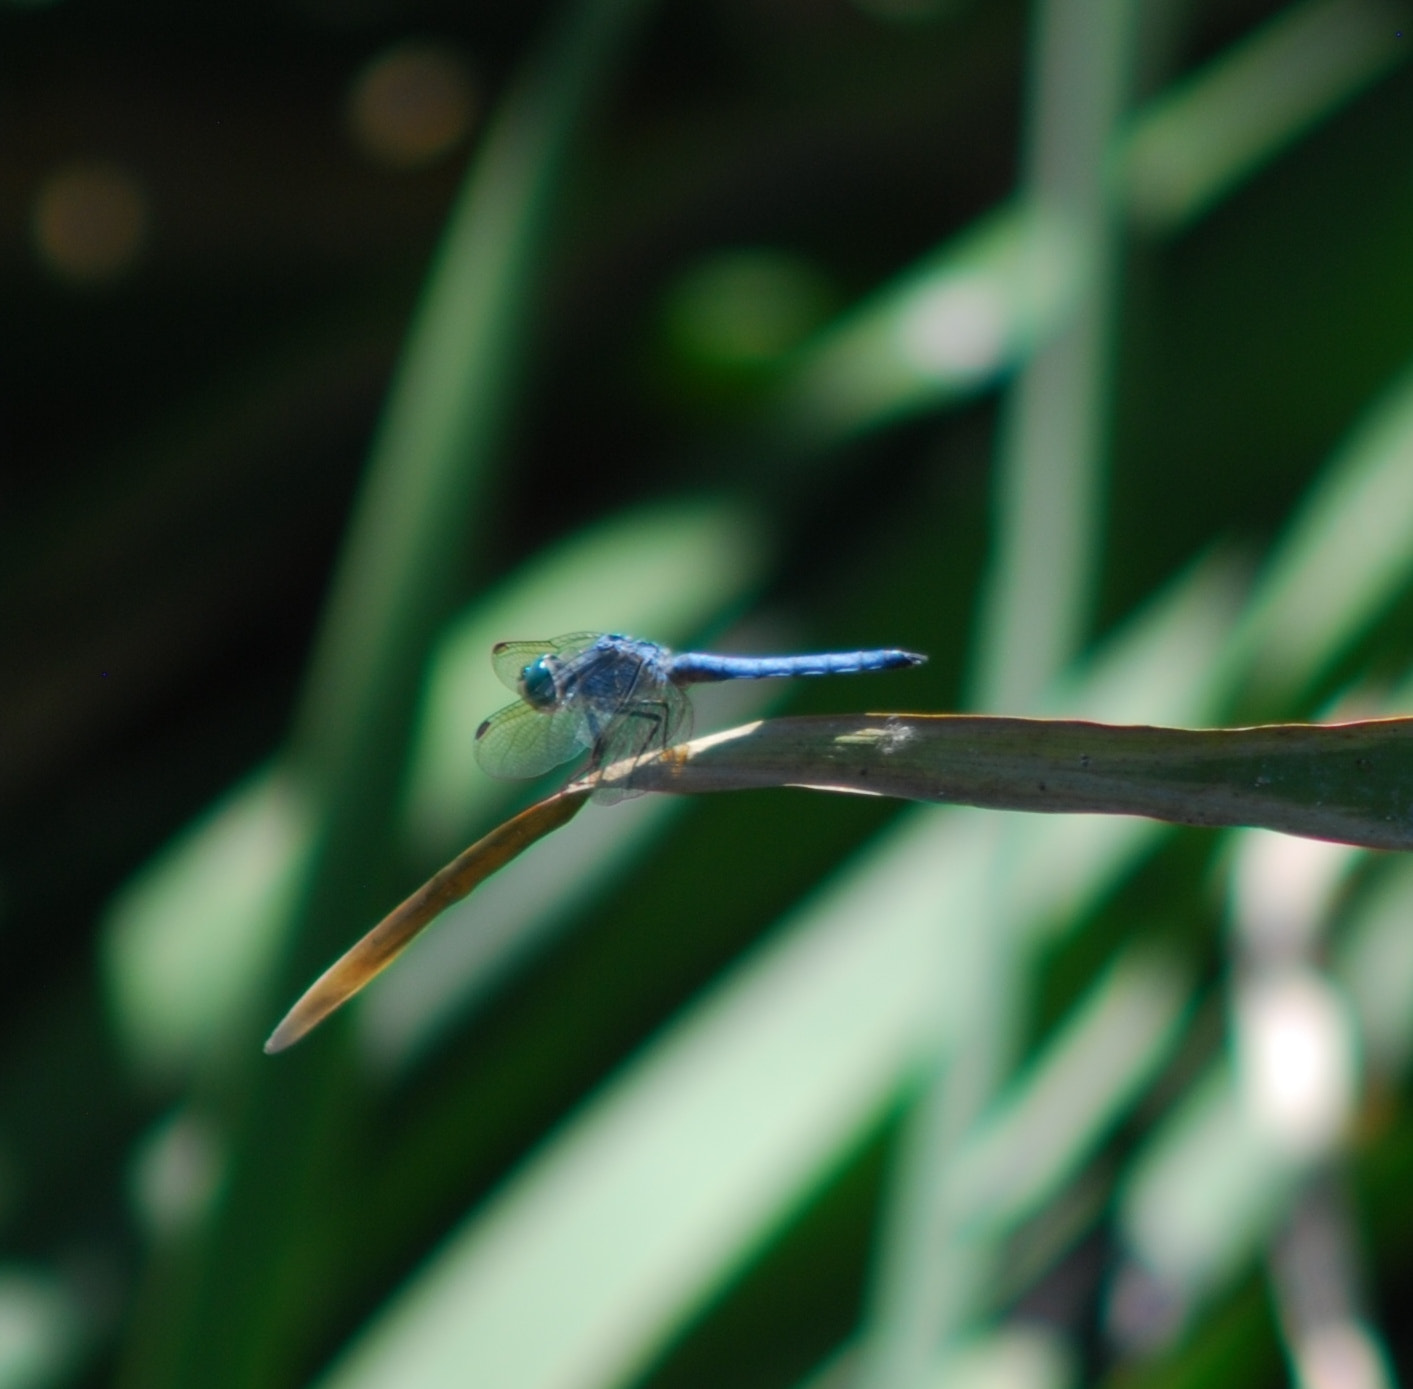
537,684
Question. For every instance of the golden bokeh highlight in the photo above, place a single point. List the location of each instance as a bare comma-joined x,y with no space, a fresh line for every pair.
89,221
411,105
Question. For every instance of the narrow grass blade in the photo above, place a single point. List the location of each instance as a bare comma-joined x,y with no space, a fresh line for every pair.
1343,782
1343,558
1207,135
1340,782
228,1307
396,931
941,332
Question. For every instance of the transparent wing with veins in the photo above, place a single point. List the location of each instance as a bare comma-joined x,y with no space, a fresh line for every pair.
520,741
509,658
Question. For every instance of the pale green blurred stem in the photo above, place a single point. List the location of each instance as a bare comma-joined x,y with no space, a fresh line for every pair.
1048,490
1034,611
958,319
232,1308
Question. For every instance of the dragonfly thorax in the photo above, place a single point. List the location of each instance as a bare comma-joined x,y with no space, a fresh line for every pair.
538,684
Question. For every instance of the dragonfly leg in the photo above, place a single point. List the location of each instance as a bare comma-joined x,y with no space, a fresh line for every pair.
639,730
643,728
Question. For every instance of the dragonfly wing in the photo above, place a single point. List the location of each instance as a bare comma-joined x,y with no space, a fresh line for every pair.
509,658
520,742
642,727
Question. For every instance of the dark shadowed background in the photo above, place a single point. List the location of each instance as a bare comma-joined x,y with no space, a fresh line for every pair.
1066,342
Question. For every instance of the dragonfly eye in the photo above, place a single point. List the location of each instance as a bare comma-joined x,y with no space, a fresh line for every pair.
537,684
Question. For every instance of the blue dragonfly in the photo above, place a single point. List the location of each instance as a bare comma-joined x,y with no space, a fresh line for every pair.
619,698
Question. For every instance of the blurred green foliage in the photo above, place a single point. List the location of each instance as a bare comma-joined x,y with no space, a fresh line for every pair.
1067,343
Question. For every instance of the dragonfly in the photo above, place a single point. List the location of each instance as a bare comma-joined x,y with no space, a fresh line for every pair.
620,698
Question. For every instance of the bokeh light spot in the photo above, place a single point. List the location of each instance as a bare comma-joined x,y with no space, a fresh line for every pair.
90,221
957,329
746,308
176,1173
40,1328
1341,1355
411,105
1298,1067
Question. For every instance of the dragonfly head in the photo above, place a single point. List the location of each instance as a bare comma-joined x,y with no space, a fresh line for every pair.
537,683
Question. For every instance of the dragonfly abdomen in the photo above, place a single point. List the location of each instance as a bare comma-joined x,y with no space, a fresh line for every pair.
698,667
